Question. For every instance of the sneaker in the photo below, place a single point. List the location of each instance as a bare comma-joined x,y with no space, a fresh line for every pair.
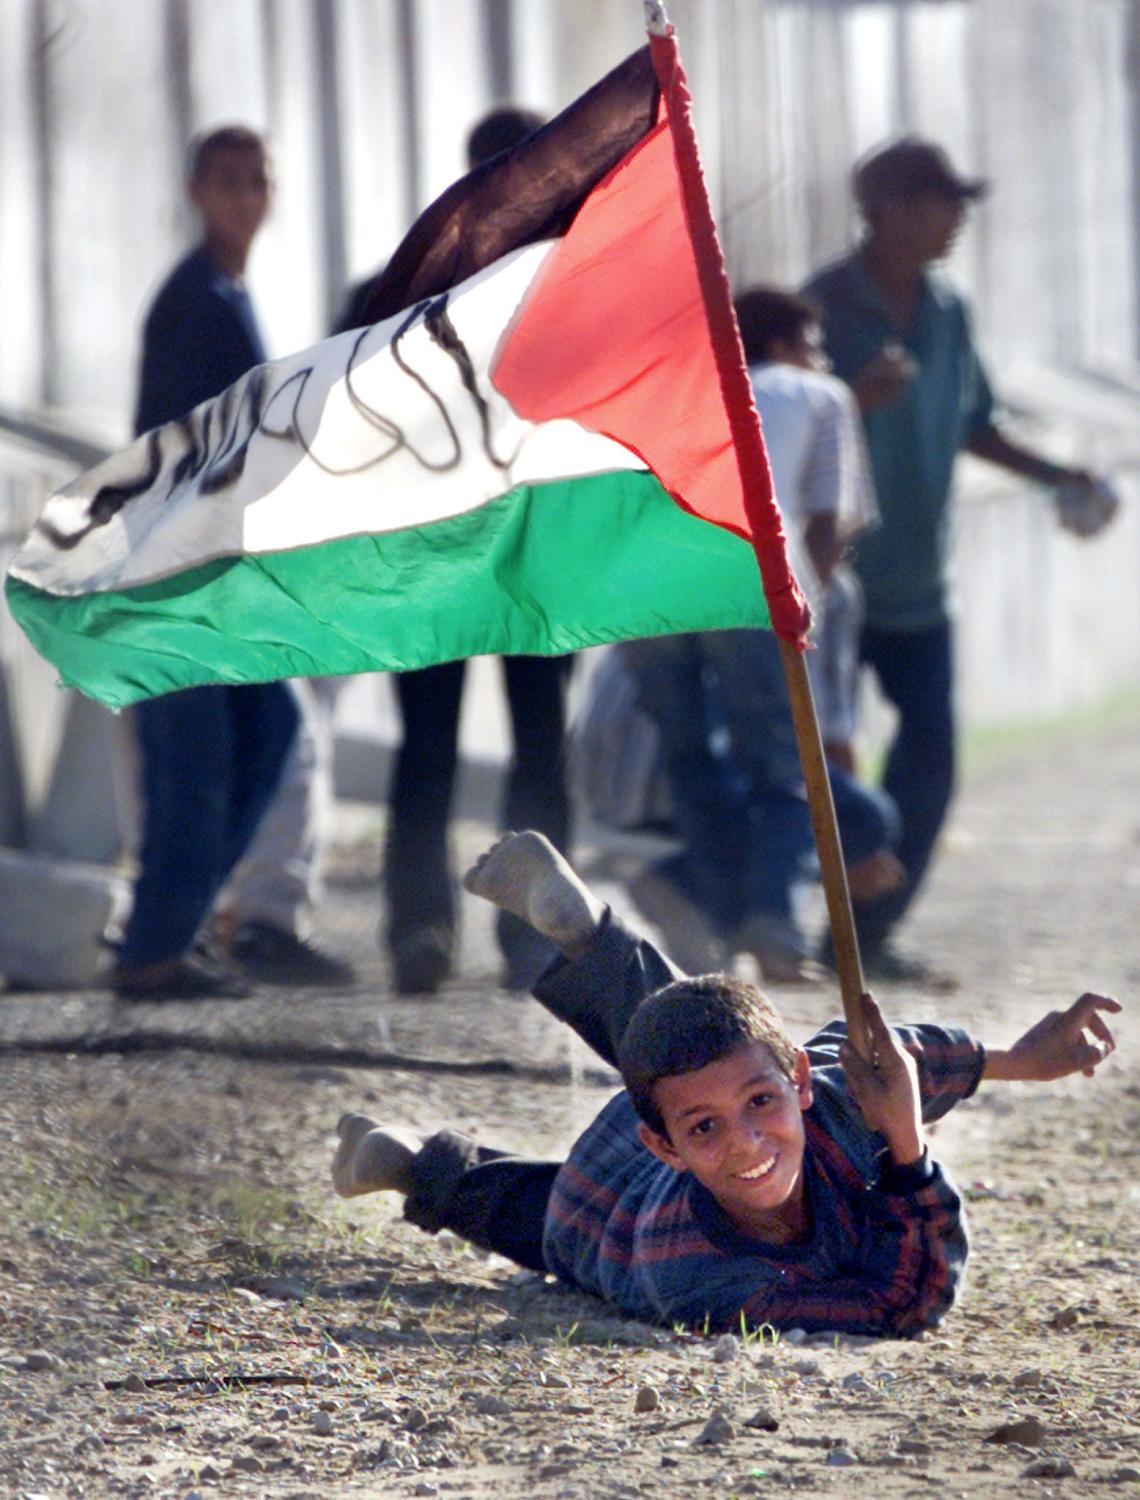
274,955
786,966
422,960
187,978
888,966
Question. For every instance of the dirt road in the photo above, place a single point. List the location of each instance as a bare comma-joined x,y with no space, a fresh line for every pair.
185,1308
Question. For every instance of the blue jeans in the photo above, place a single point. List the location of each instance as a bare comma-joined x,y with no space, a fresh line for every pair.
211,761
419,883
743,815
916,674
867,817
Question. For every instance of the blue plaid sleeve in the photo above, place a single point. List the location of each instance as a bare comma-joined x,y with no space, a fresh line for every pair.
949,1060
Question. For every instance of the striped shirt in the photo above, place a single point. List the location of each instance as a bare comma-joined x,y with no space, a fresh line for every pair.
886,1251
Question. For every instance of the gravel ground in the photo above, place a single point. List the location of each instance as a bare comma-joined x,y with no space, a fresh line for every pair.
187,1310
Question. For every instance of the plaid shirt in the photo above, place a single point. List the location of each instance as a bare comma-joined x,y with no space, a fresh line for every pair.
887,1247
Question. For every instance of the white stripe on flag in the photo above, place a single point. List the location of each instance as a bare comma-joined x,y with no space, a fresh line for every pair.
355,437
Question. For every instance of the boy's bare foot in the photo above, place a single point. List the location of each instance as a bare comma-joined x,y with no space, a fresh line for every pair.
372,1158
525,874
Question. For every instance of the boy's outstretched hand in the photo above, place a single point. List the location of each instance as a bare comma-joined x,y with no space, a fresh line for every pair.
1076,1040
886,1089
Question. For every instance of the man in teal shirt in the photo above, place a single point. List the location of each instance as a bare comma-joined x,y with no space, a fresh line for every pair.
901,336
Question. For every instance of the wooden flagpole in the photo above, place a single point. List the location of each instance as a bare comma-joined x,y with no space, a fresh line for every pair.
763,518
833,870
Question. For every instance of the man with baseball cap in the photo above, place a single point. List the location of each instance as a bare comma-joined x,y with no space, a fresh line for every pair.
900,334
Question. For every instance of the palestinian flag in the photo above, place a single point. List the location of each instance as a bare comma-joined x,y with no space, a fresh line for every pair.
520,453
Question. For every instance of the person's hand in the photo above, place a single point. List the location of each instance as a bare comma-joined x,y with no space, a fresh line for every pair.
1085,503
1076,1040
884,378
886,1088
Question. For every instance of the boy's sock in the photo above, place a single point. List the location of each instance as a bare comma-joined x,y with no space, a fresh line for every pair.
372,1158
525,874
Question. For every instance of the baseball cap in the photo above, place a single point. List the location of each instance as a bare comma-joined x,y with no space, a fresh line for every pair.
908,166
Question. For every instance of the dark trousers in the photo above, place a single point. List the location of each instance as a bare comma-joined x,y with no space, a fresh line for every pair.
916,674
419,883
499,1201
211,760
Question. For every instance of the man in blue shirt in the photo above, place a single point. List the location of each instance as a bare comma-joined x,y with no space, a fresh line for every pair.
901,336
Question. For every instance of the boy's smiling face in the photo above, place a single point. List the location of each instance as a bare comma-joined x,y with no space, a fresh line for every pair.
737,1125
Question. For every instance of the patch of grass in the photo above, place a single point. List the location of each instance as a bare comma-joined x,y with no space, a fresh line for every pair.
982,744
760,1336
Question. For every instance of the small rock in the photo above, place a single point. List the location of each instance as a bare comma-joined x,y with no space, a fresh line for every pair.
265,1442
1068,1317
281,1289
806,1367
322,1423
648,1398
1126,1474
415,1418
491,1406
247,1463
762,1419
718,1429
1027,1379
209,1471
424,1488
726,1348
134,1383
841,1458
556,1382
1029,1431
1050,1467
41,1359
793,1336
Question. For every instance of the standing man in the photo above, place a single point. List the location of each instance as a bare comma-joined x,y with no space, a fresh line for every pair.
420,886
211,757
901,336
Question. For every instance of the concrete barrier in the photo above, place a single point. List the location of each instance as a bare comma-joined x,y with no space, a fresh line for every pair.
54,915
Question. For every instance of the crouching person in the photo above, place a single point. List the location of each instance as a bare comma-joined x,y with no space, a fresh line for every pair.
737,1180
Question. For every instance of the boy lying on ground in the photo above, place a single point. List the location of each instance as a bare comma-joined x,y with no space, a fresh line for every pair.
738,1179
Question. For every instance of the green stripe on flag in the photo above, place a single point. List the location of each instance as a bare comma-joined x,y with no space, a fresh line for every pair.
542,570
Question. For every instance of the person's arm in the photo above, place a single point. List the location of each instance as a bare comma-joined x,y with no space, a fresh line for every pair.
1076,1040
991,443
914,1250
821,538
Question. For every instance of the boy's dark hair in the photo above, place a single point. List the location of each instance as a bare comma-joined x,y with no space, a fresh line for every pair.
499,131
693,1022
204,148
768,313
